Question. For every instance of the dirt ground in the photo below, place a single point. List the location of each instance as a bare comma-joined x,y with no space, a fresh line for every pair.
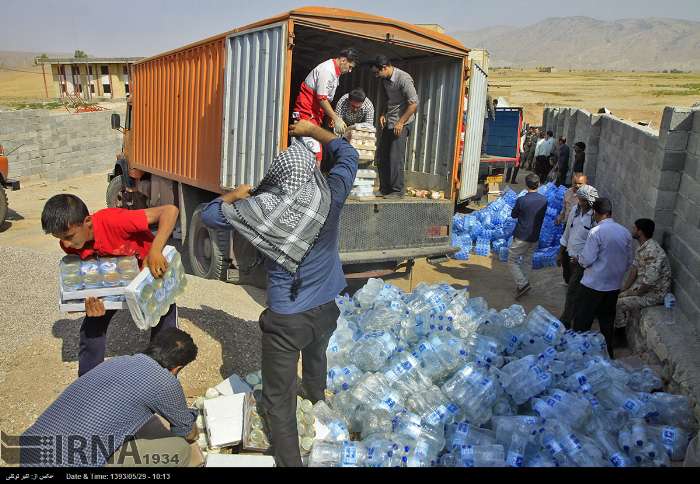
636,96
41,344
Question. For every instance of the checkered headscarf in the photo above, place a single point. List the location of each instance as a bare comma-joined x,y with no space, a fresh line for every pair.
287,210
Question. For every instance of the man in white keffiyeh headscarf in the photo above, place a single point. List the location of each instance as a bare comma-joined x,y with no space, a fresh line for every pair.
292,217
579,223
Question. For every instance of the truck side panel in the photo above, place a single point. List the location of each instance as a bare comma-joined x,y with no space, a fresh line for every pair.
178,104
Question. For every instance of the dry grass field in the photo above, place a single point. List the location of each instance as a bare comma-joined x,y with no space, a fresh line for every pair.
27,85
637,96
631,95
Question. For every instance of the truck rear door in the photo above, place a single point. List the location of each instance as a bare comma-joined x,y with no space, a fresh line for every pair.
253,103
478,83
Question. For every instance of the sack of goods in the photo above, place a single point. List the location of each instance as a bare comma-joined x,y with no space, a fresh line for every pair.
364,184
363,137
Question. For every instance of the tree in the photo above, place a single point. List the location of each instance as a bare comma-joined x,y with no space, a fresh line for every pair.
79,54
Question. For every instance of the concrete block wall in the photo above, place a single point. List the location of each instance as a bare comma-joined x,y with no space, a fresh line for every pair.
684,239
57,146
651,174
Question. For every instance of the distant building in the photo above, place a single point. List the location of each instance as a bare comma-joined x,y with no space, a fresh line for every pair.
481,57
547,69
89,77
437,28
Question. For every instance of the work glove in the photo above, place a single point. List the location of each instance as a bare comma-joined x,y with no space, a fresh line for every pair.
339,126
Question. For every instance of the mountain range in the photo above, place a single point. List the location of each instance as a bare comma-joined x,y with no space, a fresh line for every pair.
652,44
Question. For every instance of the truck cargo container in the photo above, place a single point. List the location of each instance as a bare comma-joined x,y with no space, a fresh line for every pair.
209,116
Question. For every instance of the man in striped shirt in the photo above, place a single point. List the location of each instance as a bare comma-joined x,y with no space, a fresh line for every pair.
355,108
101,418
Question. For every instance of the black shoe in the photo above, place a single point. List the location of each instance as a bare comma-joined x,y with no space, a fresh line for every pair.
521,291
394,195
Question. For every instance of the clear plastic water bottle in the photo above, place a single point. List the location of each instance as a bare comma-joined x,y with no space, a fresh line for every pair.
404,373
373,349
524,378
463,433
520,438
541,322
337,454
342,378
674,439
673,410
331,426
617,397
382,451
432,439
563,406
592,379
670,308
475,391
611,449
644,380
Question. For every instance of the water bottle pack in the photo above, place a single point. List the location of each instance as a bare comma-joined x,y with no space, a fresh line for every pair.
150,298
490,229
498,388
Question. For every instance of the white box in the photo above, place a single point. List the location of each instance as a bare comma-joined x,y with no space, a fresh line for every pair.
239,460
224,420
233,385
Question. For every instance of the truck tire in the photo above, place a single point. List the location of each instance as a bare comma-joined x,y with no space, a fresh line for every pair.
208,249
3,206
113,196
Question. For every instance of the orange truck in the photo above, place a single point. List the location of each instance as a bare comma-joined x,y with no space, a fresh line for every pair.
209,116
5,183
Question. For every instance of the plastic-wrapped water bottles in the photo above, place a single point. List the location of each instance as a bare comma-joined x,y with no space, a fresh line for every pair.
541,322
462,433
611,450
337,454
475,391
487,455
373,349
674,439
616,397
644,380
404,373
592,379
673,410
342,378
431,439
331,426
524,378
563,406
434,408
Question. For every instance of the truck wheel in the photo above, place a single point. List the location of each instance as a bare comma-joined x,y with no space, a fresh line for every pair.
3,205
114,196
208,249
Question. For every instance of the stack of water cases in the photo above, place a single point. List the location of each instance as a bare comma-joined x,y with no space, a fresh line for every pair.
363,186
149,298
363,137
103,277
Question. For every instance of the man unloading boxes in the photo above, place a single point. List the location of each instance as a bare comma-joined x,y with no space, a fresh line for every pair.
355,108
395,122
313,102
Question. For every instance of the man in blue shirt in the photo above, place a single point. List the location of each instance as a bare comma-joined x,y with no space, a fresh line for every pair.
606,257
97,420
530,210
301,314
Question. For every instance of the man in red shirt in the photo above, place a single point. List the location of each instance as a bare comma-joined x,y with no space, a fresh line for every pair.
313,102
109,232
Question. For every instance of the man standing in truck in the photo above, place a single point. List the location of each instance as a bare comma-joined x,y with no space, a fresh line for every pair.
293,219
395,122
313,102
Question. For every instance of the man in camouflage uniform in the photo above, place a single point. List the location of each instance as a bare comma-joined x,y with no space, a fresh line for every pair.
650,277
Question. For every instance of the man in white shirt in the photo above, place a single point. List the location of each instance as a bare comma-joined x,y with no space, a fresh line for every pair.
606,257
578,226
543,150
316,93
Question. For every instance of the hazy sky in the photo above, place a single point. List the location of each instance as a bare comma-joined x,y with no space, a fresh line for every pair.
146,27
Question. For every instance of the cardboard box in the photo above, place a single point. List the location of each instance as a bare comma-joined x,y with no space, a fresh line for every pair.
239,460
233,385
224,420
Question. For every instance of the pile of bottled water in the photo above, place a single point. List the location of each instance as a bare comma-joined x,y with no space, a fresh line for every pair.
435,378
490,230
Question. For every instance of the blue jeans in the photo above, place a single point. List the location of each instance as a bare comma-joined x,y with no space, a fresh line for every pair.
93,337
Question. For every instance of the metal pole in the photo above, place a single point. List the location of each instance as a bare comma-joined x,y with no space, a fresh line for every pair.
43,73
